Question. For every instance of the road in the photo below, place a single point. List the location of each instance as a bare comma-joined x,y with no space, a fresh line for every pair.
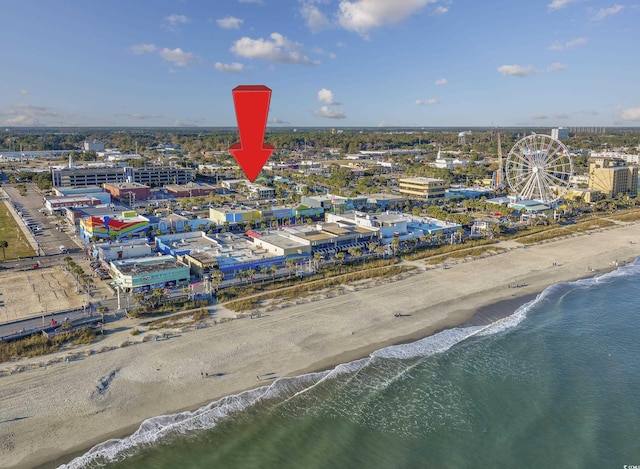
49,240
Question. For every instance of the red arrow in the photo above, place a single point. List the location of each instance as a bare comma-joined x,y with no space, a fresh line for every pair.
252,108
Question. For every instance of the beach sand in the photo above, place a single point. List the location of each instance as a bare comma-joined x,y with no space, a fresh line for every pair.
51,412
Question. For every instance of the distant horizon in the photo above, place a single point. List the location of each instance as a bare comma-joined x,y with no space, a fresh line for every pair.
329,63
580,128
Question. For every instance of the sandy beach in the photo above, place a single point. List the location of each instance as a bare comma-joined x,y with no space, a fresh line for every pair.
54,410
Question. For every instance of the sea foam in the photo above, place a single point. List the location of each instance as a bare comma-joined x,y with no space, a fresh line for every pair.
283,389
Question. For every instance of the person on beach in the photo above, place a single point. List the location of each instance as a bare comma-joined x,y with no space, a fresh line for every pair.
258,377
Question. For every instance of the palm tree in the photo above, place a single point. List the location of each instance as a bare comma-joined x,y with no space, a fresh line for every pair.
251,274
339,256
290,263
317,256
4,245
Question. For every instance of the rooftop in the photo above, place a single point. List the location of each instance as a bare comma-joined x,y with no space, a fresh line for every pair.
145,265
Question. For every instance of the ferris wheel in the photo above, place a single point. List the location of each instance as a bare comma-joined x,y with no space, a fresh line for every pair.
539,168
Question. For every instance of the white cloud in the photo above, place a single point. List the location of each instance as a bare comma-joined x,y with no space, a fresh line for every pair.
275,120
329,113
441,82
556,67
540,117
177,56
341,44
433,101
140,117
630,114
325,96
420,102
23,114
517,70
361,16
277,49
558,4
569,44
177,19
439,10
230,22
562,116
332,55
233,67
315,19
604,12
140,49
23,91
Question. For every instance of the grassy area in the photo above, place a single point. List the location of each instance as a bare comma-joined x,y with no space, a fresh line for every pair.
300,290
191,316
170,306
558,232
626,216
12,234
233,293
473,252
38,344
423,253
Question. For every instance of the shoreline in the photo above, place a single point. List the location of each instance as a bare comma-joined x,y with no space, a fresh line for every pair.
291,341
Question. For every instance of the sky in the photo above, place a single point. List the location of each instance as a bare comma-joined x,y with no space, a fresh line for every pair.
329,63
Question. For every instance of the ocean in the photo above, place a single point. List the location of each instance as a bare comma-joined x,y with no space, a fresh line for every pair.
554,385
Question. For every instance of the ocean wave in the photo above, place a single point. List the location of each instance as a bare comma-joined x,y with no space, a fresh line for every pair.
206,417
284,389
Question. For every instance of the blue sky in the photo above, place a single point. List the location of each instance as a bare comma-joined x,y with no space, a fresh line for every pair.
334,63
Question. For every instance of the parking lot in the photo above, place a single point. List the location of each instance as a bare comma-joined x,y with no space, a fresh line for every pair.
41,226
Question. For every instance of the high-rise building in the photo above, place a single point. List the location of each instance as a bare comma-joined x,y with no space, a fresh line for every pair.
611,177
560,133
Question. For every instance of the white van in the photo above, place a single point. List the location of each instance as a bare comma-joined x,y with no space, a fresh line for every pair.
63,249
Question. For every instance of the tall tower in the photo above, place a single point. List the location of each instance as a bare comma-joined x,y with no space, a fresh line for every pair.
499,176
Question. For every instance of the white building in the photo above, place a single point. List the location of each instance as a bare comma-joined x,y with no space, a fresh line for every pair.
560,133
396,225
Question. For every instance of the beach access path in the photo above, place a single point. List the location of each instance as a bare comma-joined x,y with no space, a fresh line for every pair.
54,408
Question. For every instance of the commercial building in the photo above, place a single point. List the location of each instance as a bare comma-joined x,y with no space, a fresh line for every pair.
422,187
586,195
225,252
324,238
75,214
53,204
125,249
129,192
391,225
124,225
612,177
94,191
89,176
159,175
193,189
148,273
93,145
230,216
99,175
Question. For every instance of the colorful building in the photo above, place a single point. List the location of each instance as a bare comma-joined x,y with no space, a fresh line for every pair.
119,226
